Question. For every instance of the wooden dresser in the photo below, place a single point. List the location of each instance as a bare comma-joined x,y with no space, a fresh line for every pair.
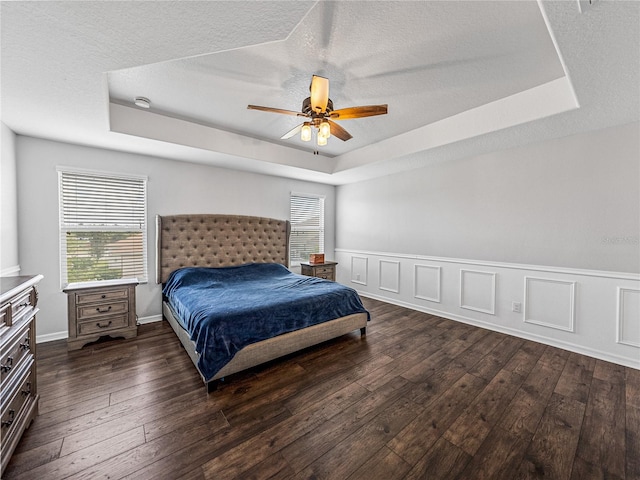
326,270
101,308
19,397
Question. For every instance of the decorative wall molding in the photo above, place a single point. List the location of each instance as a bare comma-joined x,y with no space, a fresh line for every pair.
483,263
427,283
583,311
359,269
10,271
389,275
478,291
550,303
628,315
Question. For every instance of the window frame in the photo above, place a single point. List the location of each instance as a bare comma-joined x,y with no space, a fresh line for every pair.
66,227
321,228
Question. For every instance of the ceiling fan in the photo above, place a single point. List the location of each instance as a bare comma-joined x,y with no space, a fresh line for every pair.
318,109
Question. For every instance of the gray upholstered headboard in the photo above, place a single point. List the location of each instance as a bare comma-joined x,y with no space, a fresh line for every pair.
205,240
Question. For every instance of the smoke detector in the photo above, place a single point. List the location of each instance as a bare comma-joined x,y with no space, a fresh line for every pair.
142,102
584,5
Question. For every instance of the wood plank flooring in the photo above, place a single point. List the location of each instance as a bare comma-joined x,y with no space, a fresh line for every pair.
418,397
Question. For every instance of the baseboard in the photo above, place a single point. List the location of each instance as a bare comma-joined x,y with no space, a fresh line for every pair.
149,319
10,271
50,337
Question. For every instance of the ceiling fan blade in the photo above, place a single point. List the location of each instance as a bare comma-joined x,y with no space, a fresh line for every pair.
319,94
358,112
292,132
338,131
275,110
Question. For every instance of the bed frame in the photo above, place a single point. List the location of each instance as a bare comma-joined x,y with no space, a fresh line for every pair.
206,240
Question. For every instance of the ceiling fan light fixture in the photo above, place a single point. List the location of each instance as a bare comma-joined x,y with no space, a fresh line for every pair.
305,132
324,129
322,141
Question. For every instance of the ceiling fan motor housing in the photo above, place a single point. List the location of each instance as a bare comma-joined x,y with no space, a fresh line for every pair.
307,110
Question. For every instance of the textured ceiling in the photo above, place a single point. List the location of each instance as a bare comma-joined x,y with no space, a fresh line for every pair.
460,78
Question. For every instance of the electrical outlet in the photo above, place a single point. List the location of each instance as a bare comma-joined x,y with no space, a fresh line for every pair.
516,307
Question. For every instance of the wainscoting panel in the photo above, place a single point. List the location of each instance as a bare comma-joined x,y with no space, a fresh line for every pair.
586,311
359,269
389,276
549,302
426,282
478,291
629,316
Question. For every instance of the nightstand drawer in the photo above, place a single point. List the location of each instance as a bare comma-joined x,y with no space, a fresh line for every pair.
101,297
323,270
103,324
102,310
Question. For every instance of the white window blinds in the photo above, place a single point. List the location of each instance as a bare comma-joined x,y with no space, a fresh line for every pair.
103,227
307,227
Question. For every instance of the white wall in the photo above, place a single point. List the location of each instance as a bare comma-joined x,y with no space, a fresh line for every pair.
173,188
553,226
571,202
9,263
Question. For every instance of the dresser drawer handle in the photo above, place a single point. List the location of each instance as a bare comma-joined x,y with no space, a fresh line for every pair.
103,311
103,326
7,423
22,305
27,391
8,366
25,345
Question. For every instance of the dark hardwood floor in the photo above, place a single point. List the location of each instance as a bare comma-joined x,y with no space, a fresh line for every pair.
418,397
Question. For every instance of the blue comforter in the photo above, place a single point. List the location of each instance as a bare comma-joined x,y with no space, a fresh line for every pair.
226,309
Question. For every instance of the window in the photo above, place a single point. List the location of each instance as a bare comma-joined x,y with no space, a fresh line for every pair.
103,231
307,227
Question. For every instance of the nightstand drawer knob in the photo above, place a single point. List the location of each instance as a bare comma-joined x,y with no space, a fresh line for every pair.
7,366
103,296
103,311
99,325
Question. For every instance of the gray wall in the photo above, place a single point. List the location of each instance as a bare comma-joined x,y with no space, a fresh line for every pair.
8,203
173,187
570,202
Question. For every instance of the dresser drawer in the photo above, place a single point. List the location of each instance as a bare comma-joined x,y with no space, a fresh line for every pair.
102,310
22,303
14,351
103,325
4,318
18,399
102,296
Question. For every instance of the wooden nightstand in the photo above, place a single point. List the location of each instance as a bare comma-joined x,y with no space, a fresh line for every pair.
326,270
101,308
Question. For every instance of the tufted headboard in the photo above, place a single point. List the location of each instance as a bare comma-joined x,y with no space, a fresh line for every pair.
206,240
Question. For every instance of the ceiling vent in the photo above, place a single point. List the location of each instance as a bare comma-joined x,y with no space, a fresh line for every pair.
585,5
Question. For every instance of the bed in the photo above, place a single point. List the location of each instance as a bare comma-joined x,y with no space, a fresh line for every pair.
231,247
